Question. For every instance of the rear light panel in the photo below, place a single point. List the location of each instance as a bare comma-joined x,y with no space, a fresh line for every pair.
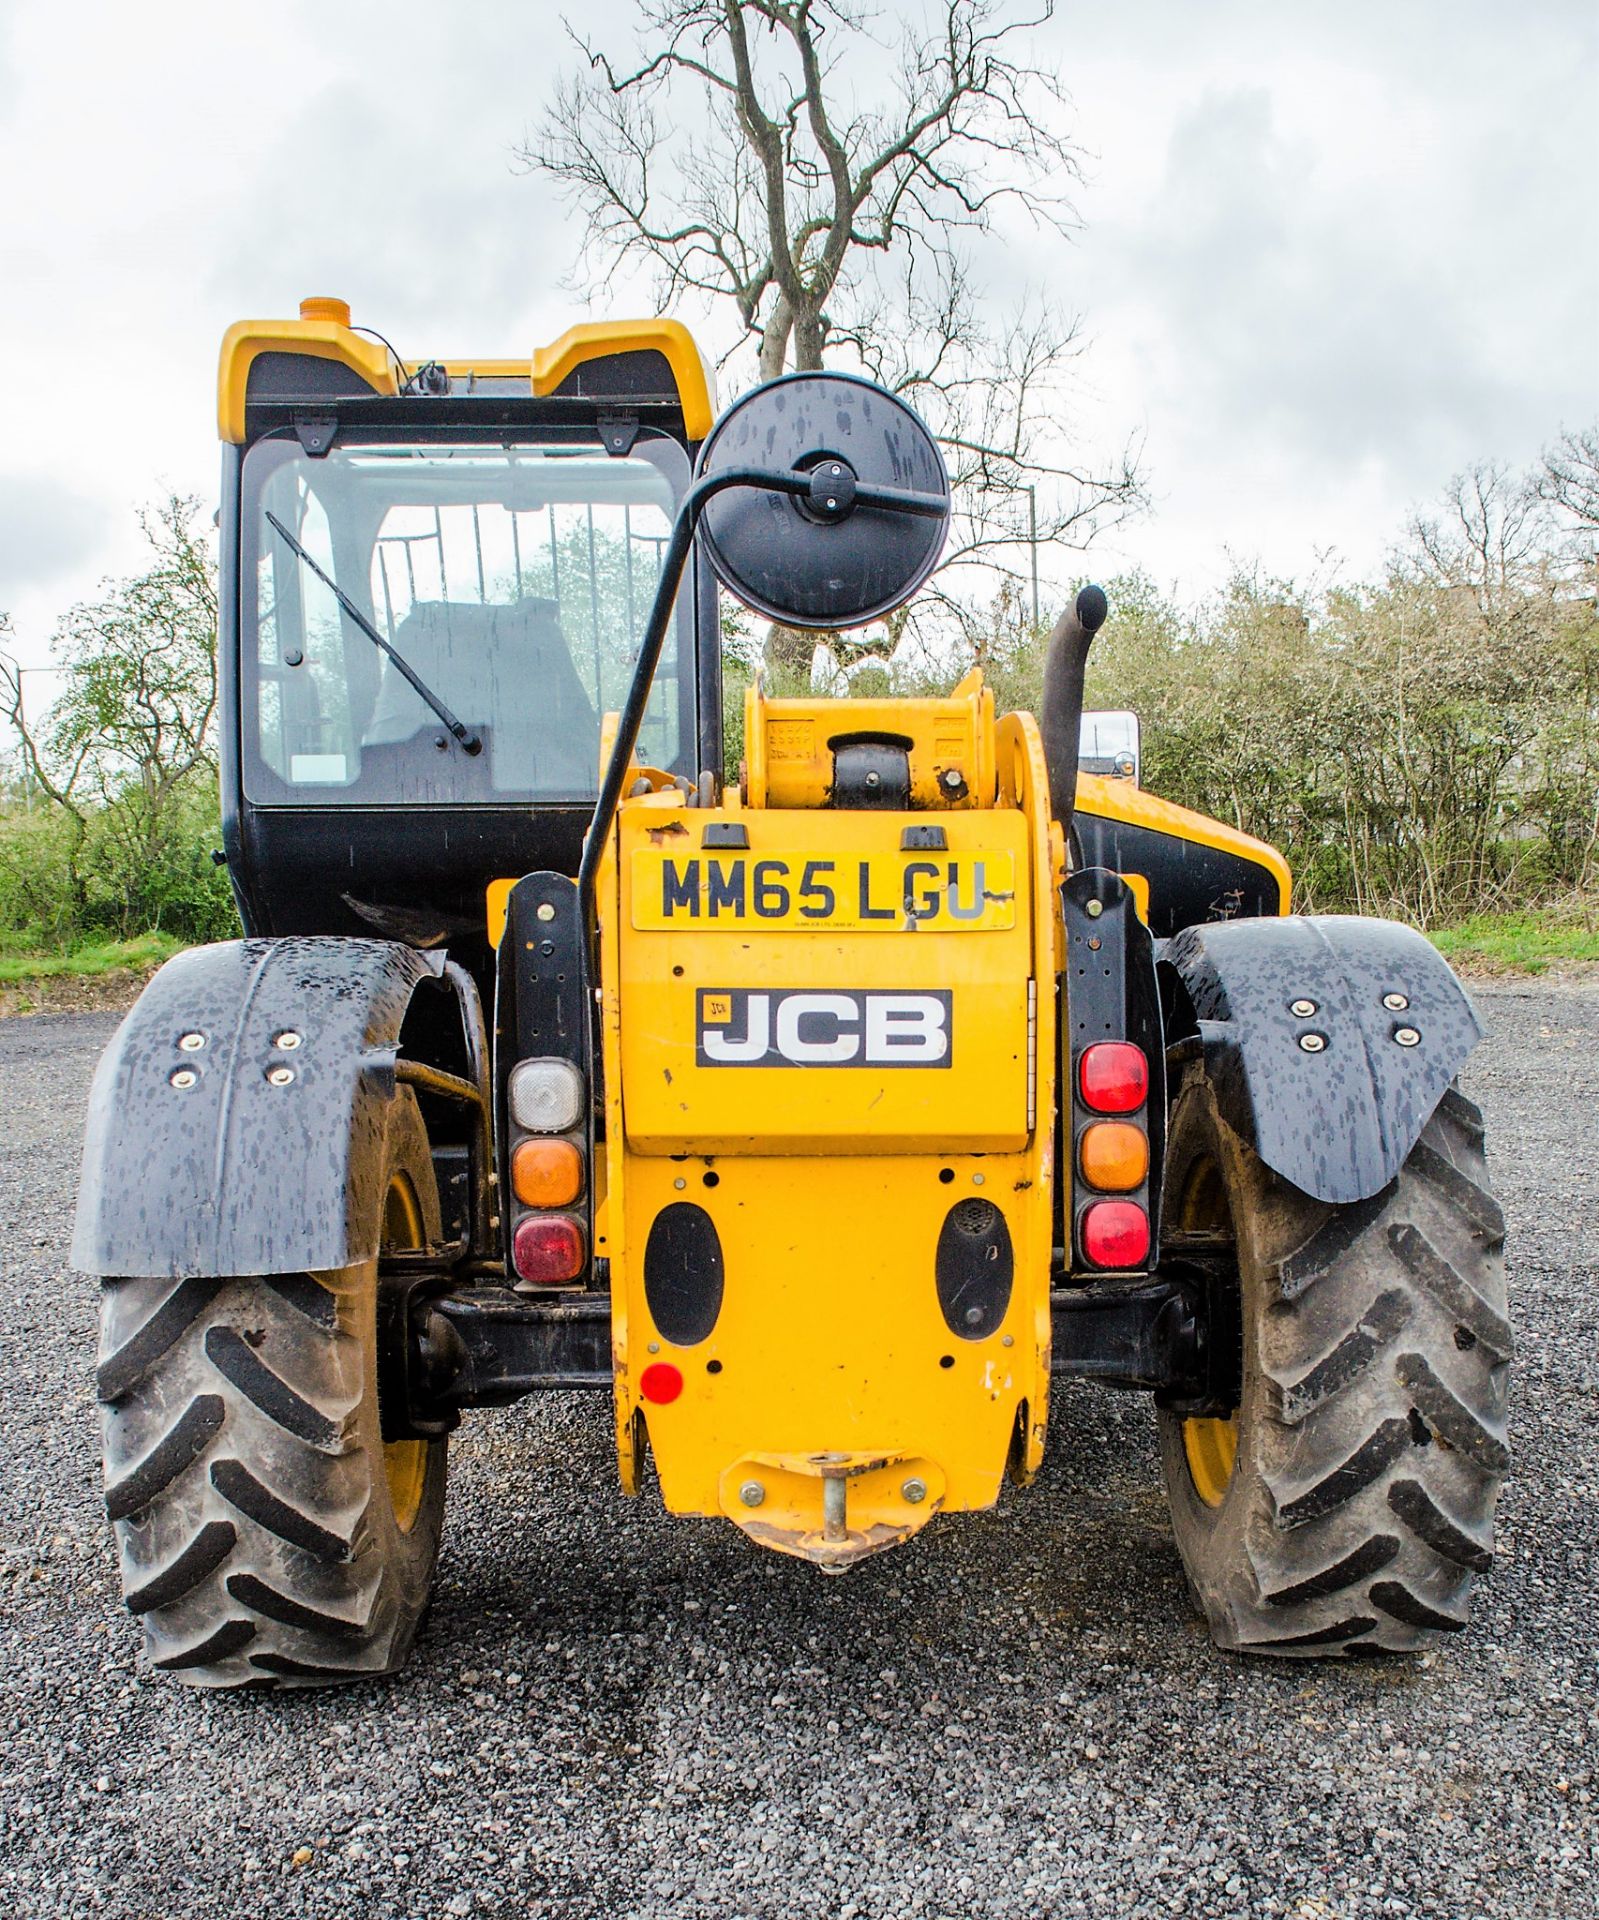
1112,1157
547,1107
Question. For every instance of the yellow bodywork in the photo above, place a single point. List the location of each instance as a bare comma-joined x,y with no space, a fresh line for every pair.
832,1411
323,331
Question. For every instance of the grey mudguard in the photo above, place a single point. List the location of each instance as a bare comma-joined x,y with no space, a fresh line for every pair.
1337,1121
235,1173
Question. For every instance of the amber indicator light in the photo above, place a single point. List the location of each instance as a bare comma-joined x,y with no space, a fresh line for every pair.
546,1173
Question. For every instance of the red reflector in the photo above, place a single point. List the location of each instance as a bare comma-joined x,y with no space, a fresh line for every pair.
1113,1077
1115,1234
660,1383
548,1249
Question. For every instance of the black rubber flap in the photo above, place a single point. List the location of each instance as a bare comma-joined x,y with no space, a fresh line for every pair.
973,1268
786,558
683,1273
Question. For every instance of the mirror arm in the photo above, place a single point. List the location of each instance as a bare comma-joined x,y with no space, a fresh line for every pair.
681,544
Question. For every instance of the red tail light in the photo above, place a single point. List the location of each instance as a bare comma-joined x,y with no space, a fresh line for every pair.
548,1249
1113,1077
1115,1234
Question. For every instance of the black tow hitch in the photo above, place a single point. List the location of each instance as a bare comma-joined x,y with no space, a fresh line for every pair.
1146,1333
485,1346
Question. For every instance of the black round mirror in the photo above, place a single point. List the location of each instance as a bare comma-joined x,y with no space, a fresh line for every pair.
825,559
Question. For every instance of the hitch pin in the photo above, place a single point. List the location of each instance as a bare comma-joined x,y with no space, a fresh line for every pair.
835,1487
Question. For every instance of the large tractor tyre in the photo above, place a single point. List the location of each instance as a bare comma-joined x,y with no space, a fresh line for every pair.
267,1534
1348,1503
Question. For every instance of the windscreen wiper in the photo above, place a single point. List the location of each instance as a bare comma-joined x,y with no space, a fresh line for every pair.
468,741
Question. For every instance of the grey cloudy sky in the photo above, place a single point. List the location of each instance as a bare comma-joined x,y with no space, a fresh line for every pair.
1329,255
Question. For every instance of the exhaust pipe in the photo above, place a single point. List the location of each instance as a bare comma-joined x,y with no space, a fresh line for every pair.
1061,720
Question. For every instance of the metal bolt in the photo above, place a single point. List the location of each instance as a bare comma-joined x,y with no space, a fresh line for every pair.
1395,1002
287,1041
915,1491
191,1042
1095,909
279,1076
183,1079
951,776
655,1346
977,1179
1313,1043
835,469
752,1493
832,505
1008,1341
874,779
974,1316
1407,1036
680,1183
1301,1009
544,911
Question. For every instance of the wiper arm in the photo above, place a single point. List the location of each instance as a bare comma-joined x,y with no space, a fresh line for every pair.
469,742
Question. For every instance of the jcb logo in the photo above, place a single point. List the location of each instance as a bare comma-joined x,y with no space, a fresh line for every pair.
740,1027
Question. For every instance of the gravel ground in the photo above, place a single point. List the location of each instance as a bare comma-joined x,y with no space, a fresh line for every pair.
610,1713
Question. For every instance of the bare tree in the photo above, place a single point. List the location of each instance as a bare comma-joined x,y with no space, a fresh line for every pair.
786,156
1569,476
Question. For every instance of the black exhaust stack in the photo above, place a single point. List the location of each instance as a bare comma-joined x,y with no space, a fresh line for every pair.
1062,718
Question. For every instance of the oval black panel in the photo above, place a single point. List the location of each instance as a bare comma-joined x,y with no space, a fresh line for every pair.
683,1273
974,1268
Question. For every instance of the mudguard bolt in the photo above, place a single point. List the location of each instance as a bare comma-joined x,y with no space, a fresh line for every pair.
287,1041
544,911
191,1042
915,1491
1395,1002
1301,1009
279,1076
1407,1036
752,1493
183,1079
1313,1043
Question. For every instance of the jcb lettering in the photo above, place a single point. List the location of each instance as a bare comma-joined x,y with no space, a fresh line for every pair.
744,1027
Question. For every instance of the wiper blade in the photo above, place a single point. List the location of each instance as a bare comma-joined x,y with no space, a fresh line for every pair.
469,741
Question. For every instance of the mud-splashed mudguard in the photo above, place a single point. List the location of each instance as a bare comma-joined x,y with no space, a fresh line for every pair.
1330,1040
236,1120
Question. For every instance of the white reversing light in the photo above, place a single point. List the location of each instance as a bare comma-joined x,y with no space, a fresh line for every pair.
546,1096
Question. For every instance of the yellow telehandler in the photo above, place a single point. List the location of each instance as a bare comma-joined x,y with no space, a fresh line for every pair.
820,1119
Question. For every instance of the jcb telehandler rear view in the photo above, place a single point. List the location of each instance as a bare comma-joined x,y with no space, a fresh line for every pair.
820,1120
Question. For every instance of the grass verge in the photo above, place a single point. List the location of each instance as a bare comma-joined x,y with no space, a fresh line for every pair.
1519,943
104,973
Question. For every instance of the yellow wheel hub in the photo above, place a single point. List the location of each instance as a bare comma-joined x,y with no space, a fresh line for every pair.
405,1462
1212,1450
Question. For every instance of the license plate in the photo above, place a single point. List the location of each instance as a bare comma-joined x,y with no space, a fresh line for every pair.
867,893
